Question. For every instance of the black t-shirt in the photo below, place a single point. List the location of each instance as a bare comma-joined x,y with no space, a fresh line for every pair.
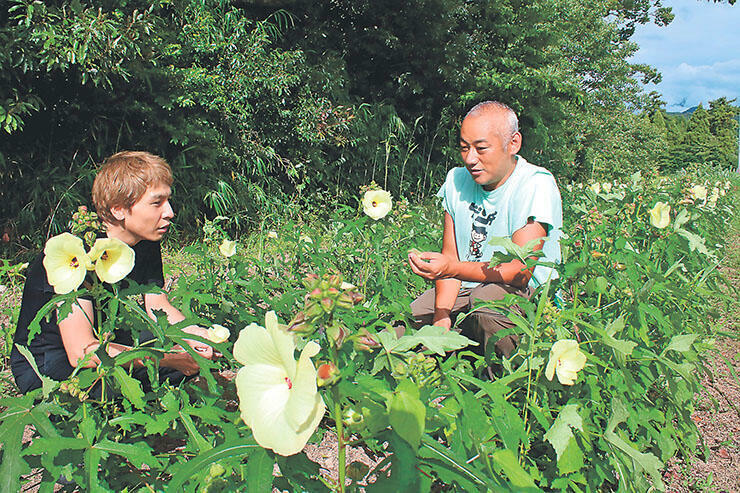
47,347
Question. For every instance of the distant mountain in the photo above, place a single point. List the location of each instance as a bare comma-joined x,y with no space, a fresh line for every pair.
685,113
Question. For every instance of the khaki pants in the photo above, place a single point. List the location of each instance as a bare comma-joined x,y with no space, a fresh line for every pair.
483,322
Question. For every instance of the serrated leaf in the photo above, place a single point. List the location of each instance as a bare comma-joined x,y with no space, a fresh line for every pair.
681,343
572,458
512,251
138,453
47,384
237,449
436,339
646,461
505,461
407,413
560,434
130,387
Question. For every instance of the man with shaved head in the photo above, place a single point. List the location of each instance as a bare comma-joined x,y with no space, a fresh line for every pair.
496,194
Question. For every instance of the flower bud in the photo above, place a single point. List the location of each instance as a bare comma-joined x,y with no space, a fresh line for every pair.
596,254
300,325
336,332
327,304
327,374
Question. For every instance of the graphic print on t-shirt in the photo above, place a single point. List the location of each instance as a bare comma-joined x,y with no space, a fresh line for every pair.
478,234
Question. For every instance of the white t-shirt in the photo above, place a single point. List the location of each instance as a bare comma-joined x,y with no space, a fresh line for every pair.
529,192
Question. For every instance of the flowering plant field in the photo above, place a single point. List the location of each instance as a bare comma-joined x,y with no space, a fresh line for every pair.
597,396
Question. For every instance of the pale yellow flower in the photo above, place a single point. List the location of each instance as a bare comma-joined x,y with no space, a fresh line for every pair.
66,262
113,259
376,203
272,235
218,333
345,286
566,359
278,396
607,187
305,239
227,248
698,192
660,215
595,188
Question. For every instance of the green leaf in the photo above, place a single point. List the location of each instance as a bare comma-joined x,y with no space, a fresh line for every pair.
681,343
512,251
47,384
407,413
130,387
138,453
505,460
236,449
436,339
560,434
572,458
259,471
696,242
12,425
645,461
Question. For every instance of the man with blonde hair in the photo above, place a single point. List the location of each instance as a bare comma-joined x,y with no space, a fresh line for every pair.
131,193
496,194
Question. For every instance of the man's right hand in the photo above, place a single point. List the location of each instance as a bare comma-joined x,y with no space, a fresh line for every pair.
182,361
444,322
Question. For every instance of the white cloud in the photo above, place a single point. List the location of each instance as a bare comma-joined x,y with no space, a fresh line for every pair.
697,53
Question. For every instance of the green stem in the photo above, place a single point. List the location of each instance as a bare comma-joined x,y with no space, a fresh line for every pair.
341,443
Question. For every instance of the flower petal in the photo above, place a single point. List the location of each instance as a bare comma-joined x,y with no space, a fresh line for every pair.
65,262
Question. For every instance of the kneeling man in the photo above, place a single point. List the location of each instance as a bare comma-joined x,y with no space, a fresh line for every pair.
497,193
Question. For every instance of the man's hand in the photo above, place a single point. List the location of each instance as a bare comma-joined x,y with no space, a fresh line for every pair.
182,361
444,322
432,265
203,349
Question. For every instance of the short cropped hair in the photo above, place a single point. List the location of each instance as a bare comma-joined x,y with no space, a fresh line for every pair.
124,178
486,106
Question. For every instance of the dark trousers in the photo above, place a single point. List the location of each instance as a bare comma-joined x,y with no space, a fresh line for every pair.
482,323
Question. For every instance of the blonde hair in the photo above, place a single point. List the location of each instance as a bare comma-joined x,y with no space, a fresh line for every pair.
124,178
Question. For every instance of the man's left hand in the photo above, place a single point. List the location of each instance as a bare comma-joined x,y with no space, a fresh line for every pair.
432,265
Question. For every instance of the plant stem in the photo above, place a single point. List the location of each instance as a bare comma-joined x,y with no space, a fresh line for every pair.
341,443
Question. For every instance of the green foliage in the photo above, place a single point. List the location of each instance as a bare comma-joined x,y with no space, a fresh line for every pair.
253,105
635,298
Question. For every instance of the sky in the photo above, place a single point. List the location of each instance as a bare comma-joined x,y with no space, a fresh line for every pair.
698,53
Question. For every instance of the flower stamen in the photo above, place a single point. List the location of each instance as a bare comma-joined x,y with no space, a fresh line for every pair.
290,384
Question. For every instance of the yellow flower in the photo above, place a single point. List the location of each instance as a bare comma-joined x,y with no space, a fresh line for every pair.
272,235
278,396
345,286
218,333
698,192
376,203
66,262
607,187
227,248
305,239
566,359
660,215
113,259
595,188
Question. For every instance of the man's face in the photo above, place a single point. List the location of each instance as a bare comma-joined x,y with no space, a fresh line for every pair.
149,217
487,149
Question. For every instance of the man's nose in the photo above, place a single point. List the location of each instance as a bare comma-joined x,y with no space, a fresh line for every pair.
169,213
470,157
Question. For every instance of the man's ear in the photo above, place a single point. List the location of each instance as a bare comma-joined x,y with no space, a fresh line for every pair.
118,212
515,144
